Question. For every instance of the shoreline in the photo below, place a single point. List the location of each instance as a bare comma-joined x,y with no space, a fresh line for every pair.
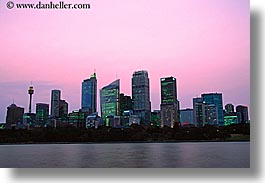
124,142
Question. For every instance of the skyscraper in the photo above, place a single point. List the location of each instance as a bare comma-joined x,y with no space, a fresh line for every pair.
211,115
109,100
141,96
199,112
89,94
217,100
42,113
242,113
169,103
59,107
14,116
125,103
63,110
55,103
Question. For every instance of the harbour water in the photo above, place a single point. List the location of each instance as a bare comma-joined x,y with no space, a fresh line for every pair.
130,155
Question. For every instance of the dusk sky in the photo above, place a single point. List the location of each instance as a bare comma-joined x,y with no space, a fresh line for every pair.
205,44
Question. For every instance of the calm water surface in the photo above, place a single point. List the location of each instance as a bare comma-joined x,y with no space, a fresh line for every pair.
147,155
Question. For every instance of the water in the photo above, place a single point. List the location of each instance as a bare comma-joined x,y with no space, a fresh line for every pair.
132,155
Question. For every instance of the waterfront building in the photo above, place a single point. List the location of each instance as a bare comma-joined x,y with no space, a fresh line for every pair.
156,118
217,100
55,103
141,96
59,107
109,101
242,113
186,117
89,94
14,116
169,103
125,103
199,113
42,114
229,108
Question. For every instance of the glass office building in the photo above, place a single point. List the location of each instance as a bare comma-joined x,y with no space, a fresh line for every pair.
55,103
109,100
42,113
141,96
217,100
169,104
89,94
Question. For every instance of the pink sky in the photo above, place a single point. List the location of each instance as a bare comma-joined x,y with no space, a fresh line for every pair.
205,44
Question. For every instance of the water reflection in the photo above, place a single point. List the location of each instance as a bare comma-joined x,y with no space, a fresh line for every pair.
149,155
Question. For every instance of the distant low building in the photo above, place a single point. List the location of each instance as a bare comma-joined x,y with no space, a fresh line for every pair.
29,120
77,119
156,118
186,117
242,113
230,118
94,121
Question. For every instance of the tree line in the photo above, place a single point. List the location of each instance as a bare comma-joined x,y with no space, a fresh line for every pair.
135,133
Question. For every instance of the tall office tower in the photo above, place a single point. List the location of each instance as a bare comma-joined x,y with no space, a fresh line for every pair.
211,115
229,108
42,113
217,100
14,116
141,96
63,109
109,100
169,104
30,92
199,113
89,95
55,103
125,103
242,113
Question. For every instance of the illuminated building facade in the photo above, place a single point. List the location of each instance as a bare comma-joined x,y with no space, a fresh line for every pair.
109,101
169,103
156,118
141,96
211,115
42,113
29,120
89,94
230,119
217,100
77,118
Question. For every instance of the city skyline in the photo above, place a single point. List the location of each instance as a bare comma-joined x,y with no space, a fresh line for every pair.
116,82
205,46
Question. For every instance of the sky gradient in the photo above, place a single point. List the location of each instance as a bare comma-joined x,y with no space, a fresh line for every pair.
204,44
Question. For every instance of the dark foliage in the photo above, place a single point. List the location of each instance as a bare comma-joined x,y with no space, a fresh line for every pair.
132,134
